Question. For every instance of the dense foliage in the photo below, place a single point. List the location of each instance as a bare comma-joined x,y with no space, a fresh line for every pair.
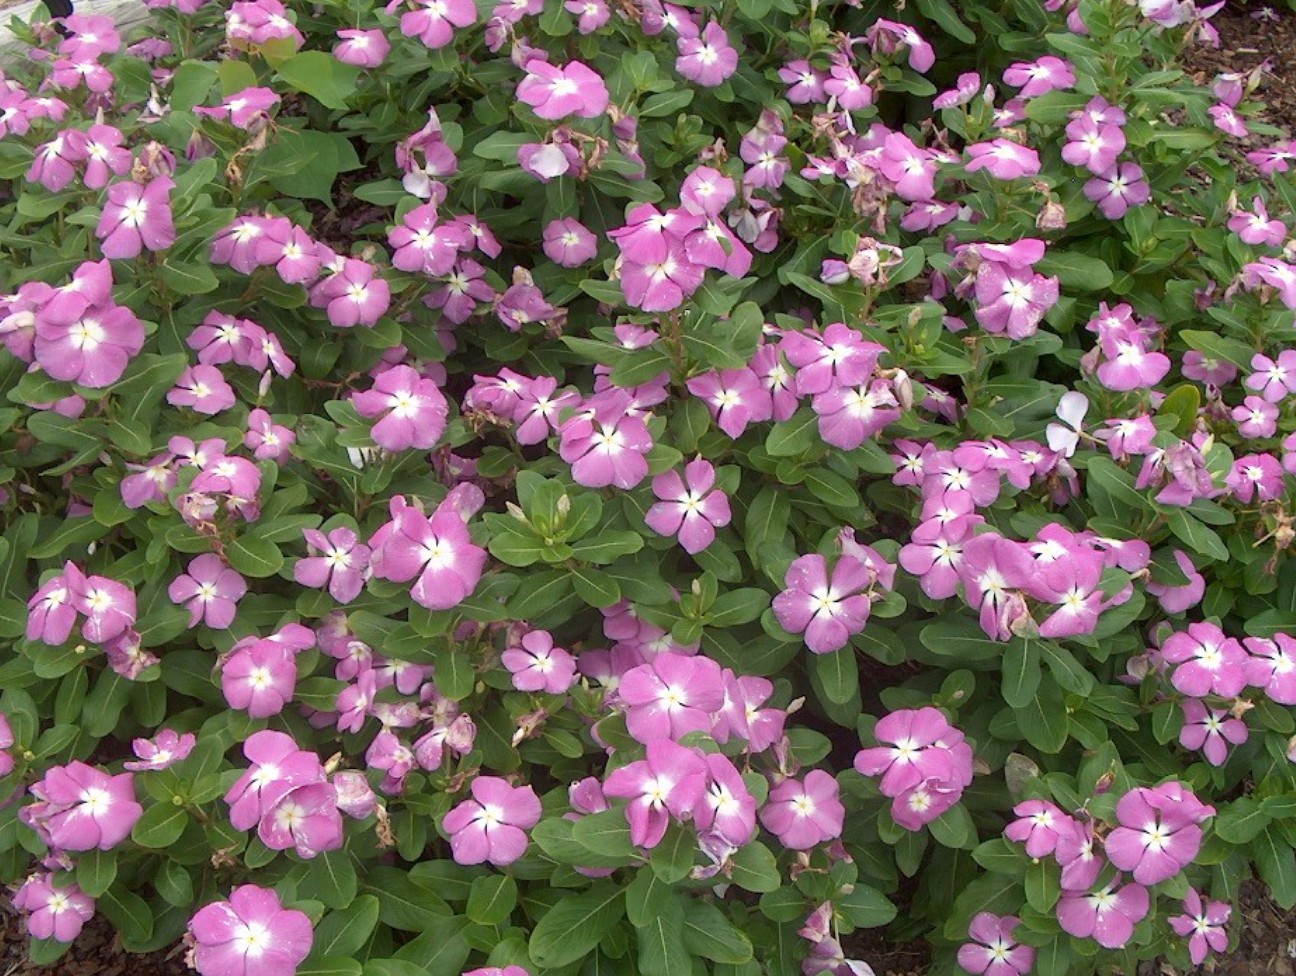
559,487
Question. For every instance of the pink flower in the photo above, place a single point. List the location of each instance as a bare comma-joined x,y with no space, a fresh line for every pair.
53,912
591,14
1118,189
51,614
91,347
670,782
1272,667
827,611
848,416
1177,599
212,590
162,751
728,807
604,444
1003,160
994,952
1013,301
689,507
1039,826
433,21
1158,835
203,389
803,814
305,819
1206,661
554,93
1255,227
259,677
1204,927
414,411
353,295
670,696
362,48
491,827
887,36
137,216
1273,159
1274,380
536,665
1210,731
1107,915
1256,417
252,934
568,242
1039,77
267,440
806,83
437,550
343,564
84,808
109,606
706,59
735,397
1278,275
1256,476
924,747
277,766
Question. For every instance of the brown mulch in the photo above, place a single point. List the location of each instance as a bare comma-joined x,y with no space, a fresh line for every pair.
96,952
1246,41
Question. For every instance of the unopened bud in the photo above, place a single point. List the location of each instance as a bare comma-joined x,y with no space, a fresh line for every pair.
513,509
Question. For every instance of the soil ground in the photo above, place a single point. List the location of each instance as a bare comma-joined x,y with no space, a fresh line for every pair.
1266,933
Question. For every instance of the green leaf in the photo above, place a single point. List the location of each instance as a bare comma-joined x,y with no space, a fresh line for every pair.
754,869
455,673
1075,270
837,673
160,826
737,607
329,966
96,871
607,546
606,834
404,901
128,912
1277,865
661,942
254,557
1043,721
320,75
393,967
866,907
595,587
1196,536
575,925
795,435
492,899
1021,672
1042,887
189,278
672,859
344,931
1241,821
645,897
332,879
313,160
709,933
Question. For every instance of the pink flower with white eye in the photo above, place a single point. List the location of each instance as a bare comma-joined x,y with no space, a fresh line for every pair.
803,814
1278,275
671,696
1256,476
828,611
670,782
92,349
1255,227
1012,301
362,48
536,665
689,507
295,256
1039,824
51,614
267,440
1228,121
163,751
1204,927
414,411
353,295
1273,159
434,21
305,819
252,934
1177,599
1273,379
1039,77
1256,417
1158,834
53,912
910,167
708,58
1206,661
342,564
109,606
569,243
1093,146
1210,731
86,808
742,717
276,766
994,951
1118,189
437,550
203,389
590,14
210,589
888,36
259,677
491,827
137,217
848,416
1003,160
662,284
1271,667
735,397
555,92
604,445
1108,915
923,748
728,807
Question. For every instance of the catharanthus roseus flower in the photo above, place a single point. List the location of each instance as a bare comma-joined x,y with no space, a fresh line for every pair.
434,21
162,751
1118,189
414,412
995,952
342,564
828,610
137,217
108,606
1203,926
555,92
1003,160
92,346
491,827
277,766
83,808
803,814
210,589
707,58
669,782
670,696
1158,834
259,677
306,819
362,48
1039,77
353,295
690,507
251,934
438,550
924,769
1206,661
1210,730
53,911
1039,825
1108,915
536,665
604,444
